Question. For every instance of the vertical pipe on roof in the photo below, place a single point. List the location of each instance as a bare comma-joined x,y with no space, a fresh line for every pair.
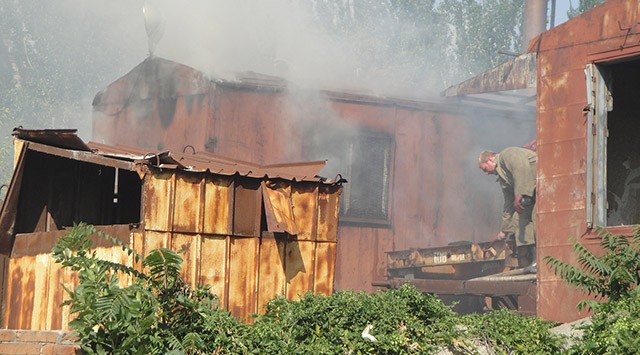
535,20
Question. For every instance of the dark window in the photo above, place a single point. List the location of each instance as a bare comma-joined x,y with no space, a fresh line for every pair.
364,158
614,144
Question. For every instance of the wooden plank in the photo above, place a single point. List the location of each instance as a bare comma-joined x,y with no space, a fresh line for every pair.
271,271
158,202
188,203
218,204
299,267
304,197
324,268
243,280
328,205
188,245
214,266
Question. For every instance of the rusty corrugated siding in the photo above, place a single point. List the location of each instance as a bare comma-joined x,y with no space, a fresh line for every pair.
34,293
214,219
562,133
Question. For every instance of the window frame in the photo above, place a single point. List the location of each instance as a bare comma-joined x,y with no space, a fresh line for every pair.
599,103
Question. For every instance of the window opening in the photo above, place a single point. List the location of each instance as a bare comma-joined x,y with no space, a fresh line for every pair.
613,144
364,158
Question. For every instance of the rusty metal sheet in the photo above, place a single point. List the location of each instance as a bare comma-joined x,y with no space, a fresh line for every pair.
501,288
214,266
325,268
304,198
328,206
56,296
158,192
247,209
188,204
155,240
518,73
299,267
61,138
243,276
277,206
271,270
189,247
20,293
218,205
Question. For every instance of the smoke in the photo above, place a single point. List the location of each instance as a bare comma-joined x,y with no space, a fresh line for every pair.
71,49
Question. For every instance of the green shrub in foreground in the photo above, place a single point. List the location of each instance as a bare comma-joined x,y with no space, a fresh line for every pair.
612,278
159,314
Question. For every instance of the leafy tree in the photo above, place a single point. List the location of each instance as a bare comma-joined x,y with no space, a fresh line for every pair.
583,5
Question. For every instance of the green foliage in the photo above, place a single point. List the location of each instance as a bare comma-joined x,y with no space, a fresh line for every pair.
613,275
157,313
403,320
613,279
583,5
614,328
509,333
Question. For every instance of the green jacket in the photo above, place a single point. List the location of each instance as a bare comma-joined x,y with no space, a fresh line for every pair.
516,168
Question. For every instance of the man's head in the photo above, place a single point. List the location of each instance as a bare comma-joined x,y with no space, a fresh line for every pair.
487,162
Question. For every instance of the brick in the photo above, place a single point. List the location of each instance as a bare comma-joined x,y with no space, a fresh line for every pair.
54,349
37,336
7,335
22,349
69,338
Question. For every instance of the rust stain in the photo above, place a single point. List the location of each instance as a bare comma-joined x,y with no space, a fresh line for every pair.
218,204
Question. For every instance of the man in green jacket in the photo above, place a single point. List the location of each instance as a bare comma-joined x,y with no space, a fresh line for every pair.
516,171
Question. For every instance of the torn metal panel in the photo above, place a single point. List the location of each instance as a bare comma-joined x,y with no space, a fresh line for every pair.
278,209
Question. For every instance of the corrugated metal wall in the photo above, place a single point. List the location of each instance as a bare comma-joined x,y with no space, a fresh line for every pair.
217,223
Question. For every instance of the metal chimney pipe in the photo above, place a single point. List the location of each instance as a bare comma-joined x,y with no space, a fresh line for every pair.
535,20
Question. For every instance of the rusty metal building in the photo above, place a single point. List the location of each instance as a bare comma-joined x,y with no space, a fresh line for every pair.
249,231
587,137
411,164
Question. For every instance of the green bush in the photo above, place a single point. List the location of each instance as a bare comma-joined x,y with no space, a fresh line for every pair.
159,314
613,280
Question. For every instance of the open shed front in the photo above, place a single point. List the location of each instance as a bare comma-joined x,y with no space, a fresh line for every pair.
250,232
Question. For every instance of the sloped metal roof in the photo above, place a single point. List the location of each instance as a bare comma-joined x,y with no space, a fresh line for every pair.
510,84
59,141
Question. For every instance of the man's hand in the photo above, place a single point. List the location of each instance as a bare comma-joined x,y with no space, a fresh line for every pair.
501,236
517,203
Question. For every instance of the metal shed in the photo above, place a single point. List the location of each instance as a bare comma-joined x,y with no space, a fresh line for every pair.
249,231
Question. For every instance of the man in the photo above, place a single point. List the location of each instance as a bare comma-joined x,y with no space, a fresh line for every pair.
516,171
